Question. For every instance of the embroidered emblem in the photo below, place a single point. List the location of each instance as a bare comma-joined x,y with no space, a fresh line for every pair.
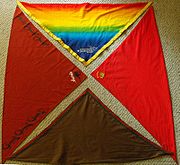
90,49
100,75
72,77
77,74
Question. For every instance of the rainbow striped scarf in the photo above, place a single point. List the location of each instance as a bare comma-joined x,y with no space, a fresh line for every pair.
85,30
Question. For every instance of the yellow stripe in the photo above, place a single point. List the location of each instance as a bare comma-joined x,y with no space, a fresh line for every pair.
69,49
78,18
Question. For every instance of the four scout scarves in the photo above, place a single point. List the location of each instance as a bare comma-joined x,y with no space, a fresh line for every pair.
39,77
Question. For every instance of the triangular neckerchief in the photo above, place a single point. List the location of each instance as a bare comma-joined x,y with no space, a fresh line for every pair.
88,132
135,74
85,30
38,77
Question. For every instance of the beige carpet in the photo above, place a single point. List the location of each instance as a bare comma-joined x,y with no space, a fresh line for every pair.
168,20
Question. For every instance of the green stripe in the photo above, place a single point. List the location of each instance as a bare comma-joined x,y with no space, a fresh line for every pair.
85,29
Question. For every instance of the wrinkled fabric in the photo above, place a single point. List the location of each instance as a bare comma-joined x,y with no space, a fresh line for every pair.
88,132
135,74
38,77
83,29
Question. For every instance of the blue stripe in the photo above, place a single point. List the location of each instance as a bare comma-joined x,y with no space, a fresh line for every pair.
85,44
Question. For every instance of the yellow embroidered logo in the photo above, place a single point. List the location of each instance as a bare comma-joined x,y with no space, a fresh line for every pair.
100,74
